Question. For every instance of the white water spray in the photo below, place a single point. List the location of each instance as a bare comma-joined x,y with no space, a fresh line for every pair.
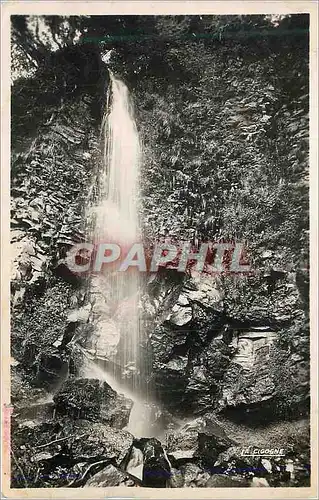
117,222
117,217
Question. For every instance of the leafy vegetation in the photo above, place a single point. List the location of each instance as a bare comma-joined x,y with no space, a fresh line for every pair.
222,107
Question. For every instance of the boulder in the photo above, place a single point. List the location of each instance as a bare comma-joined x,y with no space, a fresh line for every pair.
156,468
232,462
176,480
94,400
100,442
212,440
182,444
59,452
135,463
109,476
204,290
202,438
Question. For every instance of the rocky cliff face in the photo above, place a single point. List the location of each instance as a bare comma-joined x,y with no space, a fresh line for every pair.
211,353
231,351
53,177
222,163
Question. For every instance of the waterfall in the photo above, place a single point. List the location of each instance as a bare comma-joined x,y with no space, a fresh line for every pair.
117,218
117,221
121,159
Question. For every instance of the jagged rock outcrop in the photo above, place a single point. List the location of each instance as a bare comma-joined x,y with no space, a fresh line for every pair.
226,354
156,467
202,439
110,476
176,346
94,400
62,452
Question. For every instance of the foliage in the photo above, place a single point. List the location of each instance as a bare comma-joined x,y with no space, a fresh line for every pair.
222,108
225,137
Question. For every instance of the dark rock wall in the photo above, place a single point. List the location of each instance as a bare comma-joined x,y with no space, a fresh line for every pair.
55,165
224,126
225,158
215,156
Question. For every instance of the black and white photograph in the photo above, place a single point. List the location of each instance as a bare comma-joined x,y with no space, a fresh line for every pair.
159,243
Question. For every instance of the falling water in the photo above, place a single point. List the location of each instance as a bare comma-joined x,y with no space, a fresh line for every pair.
117,217
117,222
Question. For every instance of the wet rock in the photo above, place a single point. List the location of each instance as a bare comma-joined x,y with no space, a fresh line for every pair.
169,369
242,387
110,476
182,444
171,382
104,340
193,318
253,348
100,442
93,400
22,392
135,463
202,438
157,468
216,359
80,315
177,364
232,463
164,340
204,290
198,383
249,379
263,300
212,441
39,412
60,452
